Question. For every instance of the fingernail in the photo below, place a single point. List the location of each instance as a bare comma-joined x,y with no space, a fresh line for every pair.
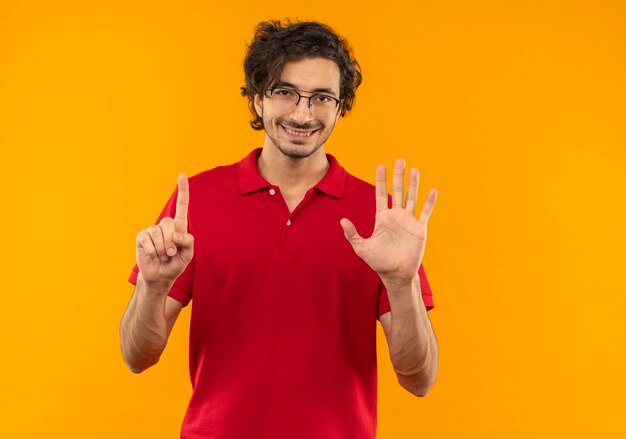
171,251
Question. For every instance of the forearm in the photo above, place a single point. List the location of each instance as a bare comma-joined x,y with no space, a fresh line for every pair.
143,331
413,346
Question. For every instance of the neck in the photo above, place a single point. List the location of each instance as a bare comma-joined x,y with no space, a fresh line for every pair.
290,173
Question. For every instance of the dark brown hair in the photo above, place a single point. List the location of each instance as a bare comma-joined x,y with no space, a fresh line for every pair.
275,43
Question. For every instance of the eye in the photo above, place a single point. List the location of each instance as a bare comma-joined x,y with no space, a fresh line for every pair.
323,99
283,92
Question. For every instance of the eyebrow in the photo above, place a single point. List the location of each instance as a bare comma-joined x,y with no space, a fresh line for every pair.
317,90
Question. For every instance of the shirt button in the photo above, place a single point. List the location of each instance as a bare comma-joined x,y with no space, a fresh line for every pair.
288,222
272,191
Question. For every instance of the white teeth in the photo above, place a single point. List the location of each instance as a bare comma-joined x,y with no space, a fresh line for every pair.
298,133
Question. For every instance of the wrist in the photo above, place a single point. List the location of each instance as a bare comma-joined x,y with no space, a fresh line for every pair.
395,282
153,288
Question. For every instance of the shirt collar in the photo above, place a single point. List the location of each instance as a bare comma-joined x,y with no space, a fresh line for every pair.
250,178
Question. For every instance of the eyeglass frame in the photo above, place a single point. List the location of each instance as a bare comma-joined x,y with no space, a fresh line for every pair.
270,90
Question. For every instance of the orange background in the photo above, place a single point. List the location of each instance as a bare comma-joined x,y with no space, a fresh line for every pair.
513,110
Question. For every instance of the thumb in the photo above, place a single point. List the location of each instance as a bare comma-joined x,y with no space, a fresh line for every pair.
184,243
349,230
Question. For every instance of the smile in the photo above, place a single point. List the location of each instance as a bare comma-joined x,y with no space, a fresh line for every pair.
297,133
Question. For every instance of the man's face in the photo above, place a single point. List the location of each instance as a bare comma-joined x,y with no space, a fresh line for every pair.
297,133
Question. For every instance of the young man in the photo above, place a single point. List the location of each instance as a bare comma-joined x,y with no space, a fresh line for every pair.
285,292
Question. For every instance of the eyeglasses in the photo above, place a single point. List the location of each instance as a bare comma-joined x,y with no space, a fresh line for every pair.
287,99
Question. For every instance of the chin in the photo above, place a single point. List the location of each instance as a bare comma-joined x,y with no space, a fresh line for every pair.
296,149
298,153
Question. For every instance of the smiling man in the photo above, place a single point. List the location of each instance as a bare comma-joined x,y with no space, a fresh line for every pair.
286,293
288,129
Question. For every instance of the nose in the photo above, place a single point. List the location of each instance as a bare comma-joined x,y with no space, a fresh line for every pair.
301,114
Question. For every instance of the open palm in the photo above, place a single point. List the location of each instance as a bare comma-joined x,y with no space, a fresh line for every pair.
396,247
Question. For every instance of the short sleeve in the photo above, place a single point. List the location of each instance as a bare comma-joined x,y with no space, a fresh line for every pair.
427,294
183,286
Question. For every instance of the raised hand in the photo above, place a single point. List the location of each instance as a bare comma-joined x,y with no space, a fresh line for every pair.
164,250
396,247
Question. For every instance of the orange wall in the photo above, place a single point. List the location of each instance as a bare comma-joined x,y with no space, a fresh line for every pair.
515,111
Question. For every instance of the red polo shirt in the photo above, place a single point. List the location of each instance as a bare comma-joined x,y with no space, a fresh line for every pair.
283,324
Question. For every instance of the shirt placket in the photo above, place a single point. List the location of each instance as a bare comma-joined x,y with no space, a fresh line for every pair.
286,247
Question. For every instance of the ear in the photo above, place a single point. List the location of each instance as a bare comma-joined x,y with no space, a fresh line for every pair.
258,105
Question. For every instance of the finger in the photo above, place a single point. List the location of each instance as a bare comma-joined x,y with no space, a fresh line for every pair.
397,185
411,193
156,234
145,242
381,189
182,203
428,206
168,228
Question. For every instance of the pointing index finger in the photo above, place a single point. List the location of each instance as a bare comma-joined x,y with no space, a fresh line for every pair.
182,202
